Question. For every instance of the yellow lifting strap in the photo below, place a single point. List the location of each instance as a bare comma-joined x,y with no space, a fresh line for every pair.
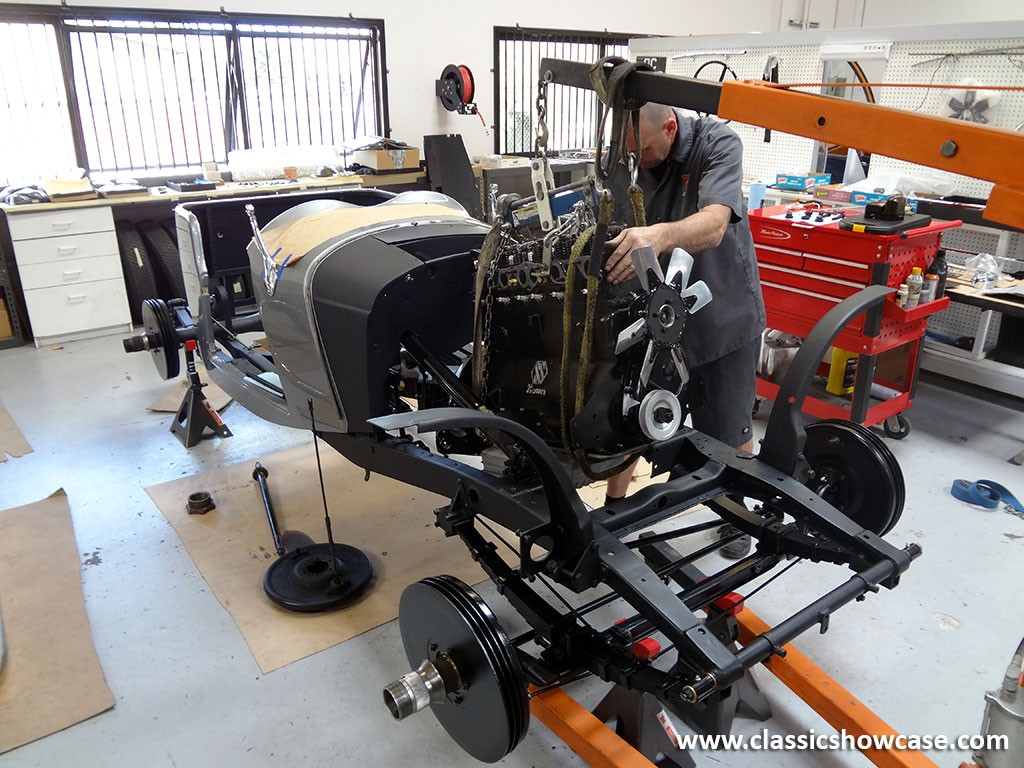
593,287
488,250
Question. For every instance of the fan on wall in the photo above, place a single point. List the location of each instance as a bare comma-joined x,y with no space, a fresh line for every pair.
970,102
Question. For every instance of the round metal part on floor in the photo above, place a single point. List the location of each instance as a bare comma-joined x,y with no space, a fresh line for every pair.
163,343
857,473
199,503
490,713
304,581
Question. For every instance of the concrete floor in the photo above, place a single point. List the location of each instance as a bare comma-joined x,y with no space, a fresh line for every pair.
188,692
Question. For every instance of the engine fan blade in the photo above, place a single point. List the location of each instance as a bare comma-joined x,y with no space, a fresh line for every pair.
644,259
684,375
701,292
630,336
645,369
681,263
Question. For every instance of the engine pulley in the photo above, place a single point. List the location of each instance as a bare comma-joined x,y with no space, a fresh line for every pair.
466,670
660,415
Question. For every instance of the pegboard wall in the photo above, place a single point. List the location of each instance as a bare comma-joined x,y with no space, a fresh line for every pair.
966,241
959,320
797,63
952,62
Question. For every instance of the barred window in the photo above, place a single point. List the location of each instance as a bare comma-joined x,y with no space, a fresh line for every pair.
571,112
35,134
158,94
150,93
308,85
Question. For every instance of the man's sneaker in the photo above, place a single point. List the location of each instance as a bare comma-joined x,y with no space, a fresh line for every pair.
737,548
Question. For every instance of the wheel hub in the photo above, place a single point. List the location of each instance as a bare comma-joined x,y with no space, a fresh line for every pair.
466,670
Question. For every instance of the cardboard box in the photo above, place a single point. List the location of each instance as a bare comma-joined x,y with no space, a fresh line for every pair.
406,159
855,198
5,322
802,181
60,190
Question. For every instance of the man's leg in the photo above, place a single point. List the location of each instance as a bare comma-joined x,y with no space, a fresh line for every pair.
619,484
730,387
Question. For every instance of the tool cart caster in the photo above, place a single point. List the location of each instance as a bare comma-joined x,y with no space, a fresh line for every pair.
897,426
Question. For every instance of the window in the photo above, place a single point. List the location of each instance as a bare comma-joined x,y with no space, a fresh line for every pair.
150,93
308,85
571,111
121,92
35,134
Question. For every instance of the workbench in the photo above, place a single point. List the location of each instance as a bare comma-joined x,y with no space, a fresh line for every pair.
61,273
973,365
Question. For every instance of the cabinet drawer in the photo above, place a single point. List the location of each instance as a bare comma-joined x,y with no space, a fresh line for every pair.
65,248
69,271
833,266
73,221
72,308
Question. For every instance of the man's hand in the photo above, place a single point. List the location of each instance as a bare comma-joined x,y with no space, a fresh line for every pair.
619,266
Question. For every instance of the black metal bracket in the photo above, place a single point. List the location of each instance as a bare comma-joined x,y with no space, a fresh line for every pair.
688,92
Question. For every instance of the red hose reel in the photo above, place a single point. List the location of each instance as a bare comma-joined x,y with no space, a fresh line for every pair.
456,89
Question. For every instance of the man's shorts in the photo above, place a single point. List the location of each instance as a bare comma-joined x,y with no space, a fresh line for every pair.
722,393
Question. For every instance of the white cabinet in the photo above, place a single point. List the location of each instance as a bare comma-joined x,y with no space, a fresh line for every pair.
820,14
70,272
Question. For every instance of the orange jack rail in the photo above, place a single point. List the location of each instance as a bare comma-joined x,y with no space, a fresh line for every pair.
583,733
835,704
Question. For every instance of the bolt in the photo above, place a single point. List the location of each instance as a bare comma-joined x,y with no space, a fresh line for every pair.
948,148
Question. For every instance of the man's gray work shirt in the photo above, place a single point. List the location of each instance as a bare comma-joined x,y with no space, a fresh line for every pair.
704,167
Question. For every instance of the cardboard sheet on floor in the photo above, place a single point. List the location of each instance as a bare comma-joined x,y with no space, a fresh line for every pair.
52,678
170,401
12,442
232,547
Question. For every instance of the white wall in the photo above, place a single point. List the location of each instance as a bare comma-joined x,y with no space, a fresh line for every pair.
422,38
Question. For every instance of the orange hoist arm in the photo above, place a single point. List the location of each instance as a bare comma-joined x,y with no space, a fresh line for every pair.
982,151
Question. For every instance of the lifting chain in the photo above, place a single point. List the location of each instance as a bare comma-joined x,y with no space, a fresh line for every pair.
540,141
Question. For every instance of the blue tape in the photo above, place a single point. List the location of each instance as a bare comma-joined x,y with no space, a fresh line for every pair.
985,493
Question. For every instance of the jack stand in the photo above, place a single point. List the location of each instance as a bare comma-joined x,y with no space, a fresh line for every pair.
195,413
636,714
590,738
636,719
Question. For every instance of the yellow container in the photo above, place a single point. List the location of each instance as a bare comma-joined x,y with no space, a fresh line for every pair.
842,373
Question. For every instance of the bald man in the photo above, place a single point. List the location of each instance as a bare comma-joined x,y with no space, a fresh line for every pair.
691,173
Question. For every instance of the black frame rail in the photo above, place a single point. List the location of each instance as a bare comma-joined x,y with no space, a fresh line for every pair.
583,549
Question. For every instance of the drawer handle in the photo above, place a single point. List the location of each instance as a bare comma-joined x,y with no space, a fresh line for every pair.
71,274
77,298
61,224
66,248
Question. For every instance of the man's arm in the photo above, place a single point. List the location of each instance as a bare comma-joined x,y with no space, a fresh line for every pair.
697,232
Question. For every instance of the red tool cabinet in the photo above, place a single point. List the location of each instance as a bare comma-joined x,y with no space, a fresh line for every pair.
807,267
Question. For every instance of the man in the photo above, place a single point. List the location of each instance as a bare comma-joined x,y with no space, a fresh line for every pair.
691,173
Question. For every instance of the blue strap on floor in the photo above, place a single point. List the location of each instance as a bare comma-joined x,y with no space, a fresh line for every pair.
985,493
